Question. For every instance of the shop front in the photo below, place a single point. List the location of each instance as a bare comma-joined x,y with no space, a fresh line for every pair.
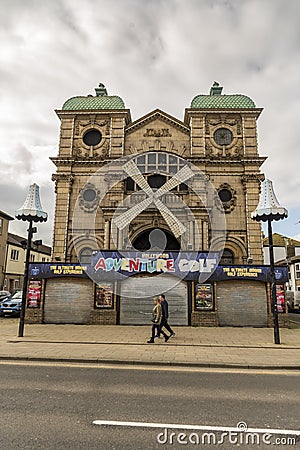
119,289
136,304
68,300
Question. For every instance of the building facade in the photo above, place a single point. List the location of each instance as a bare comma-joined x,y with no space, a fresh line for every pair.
287,252
293,288
4,223
15,260
156,188
284,248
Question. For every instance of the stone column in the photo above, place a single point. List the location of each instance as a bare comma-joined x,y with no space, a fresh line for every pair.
107,234
205,243
251,183
63,186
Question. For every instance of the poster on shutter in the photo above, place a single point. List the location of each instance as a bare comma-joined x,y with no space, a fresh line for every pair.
280,298
104,295
34,293
204,297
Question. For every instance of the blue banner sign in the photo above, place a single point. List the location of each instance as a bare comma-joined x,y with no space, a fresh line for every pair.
113,266
256,273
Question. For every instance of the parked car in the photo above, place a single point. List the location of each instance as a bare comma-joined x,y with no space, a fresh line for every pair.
3,295
293,301
11,306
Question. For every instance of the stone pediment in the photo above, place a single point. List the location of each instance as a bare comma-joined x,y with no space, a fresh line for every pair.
157,131
157,124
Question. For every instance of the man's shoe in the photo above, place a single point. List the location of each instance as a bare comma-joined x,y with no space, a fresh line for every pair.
151,341
167,338
173,334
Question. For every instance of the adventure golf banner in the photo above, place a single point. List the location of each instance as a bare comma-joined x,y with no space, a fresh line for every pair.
186,265
113,266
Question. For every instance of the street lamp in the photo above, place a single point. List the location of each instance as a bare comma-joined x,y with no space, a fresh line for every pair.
31,211
269,209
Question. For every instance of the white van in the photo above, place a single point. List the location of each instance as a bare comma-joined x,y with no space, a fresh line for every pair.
293,300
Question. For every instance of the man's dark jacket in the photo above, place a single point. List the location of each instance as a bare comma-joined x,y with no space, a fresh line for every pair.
165,309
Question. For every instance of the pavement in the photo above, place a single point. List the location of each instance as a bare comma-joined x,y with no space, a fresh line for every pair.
192,346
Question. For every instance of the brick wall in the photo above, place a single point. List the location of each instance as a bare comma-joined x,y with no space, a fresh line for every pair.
204,319
103,317
33,315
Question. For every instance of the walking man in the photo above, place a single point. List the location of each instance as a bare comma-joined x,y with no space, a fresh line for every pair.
165,316
156,321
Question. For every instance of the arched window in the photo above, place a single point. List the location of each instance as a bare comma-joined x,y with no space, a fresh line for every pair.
157,168
156,181
183,187
129,184
85,255
163,162
147,239
227,257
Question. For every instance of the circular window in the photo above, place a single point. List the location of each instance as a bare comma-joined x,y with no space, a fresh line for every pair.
223,136
225,195
92,137
89,195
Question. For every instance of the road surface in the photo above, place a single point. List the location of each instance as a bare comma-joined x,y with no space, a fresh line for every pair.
47,406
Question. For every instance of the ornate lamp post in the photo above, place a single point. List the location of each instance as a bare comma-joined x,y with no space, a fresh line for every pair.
269,209
31,211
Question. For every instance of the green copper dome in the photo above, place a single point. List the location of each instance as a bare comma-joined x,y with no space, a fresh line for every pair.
100,101
216,100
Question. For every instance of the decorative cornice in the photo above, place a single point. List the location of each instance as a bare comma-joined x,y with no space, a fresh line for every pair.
63,177
228,161
257,177
117,113
62,160
203,112
69,177
80,161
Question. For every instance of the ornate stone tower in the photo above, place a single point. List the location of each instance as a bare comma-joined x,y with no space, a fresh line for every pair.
92,133
224,146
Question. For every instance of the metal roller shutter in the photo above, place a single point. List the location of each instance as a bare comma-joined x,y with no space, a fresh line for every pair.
242,303
68,300
137,310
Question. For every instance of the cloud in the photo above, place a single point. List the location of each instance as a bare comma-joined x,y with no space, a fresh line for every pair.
158,53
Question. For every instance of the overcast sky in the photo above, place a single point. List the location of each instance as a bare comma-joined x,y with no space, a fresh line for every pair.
154,54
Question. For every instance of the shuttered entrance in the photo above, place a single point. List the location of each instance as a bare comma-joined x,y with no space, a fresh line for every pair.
136,304
242,303
68,300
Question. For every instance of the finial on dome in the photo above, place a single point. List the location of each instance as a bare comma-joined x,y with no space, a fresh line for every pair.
101,90
216,89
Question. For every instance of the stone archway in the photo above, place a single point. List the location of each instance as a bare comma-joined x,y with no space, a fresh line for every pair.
155,239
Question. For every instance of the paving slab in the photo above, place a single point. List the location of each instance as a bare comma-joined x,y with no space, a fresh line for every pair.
192,346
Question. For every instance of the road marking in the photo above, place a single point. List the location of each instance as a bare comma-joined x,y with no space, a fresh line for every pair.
149,368
176,426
